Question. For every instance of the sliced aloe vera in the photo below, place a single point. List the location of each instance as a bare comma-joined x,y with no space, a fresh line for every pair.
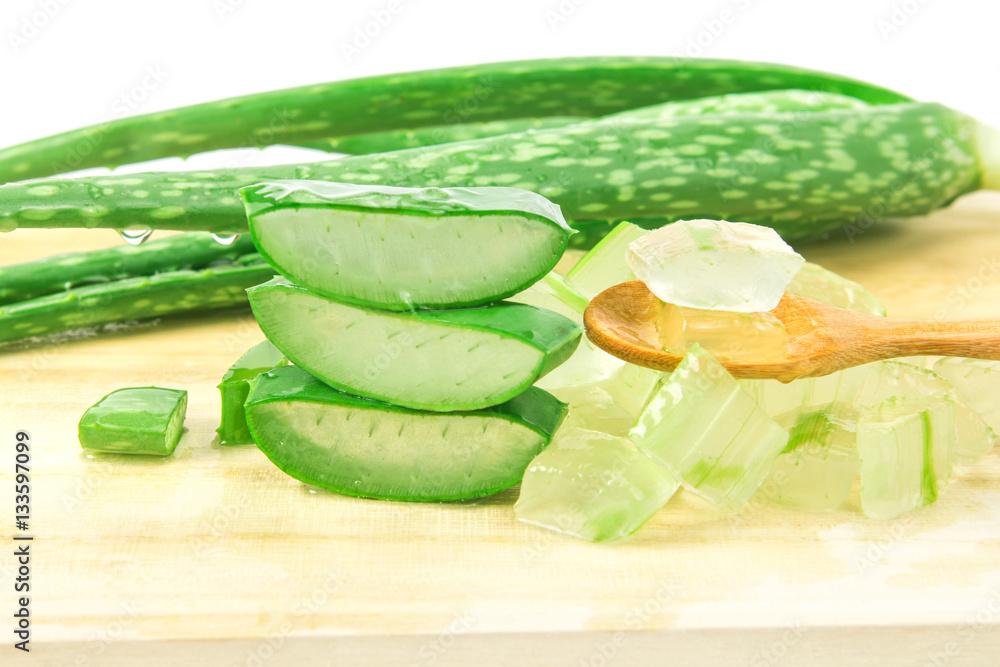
459,359
978,382
818,466
235,387
604,265
361,447
906,450
136,420
405,248
593,485
709,432
814,282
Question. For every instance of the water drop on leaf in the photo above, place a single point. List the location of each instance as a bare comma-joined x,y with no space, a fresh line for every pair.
135,236
225,239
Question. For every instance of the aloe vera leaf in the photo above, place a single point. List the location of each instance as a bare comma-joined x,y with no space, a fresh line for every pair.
395,140
592,86
235,387
405,248
132,299
137,420
20,282
441,360
769,101
641,169
360,447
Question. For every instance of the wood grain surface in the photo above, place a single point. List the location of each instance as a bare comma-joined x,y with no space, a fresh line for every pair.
215,557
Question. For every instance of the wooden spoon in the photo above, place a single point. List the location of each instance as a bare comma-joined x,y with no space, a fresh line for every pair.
822,339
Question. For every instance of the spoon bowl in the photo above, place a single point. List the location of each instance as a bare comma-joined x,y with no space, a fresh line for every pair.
821,339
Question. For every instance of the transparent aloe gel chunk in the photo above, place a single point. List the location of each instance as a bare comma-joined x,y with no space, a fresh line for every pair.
703,426
818,466
715,265
235,387
977,381
893,379
905,447
593,485
605,264
136,420
758,337
819,284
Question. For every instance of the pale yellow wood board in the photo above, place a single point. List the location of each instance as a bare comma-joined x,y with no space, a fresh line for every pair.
214,557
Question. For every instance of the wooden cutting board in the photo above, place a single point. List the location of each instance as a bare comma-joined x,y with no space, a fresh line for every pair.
215,557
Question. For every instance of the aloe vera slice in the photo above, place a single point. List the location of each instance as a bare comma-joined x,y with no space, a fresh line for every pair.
136,420
593,485
459,359
815,282
405,248
818,466
553,292
235,387
360,447
977,381
604,265
906,449
709,432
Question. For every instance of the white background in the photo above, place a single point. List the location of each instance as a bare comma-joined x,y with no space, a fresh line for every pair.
67,63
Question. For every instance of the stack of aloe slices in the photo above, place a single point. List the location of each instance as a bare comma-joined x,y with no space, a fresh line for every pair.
413,378
803,444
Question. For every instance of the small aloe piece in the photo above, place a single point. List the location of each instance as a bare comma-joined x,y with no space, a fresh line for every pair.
133,299
235,387
20,282
137,420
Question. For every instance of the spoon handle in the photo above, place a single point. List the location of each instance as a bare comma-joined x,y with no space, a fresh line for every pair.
979,339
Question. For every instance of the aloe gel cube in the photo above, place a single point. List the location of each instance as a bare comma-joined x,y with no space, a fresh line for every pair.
593,485
818,466
977,381
906,447
715,265
703,426
136,420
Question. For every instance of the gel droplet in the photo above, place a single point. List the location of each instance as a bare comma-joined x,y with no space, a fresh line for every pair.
225,239
135,236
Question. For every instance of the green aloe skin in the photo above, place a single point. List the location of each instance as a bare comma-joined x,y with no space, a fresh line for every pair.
137,420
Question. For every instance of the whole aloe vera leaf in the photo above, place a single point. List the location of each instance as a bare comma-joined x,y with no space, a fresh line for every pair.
591,86
660,169
132,299
28,280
